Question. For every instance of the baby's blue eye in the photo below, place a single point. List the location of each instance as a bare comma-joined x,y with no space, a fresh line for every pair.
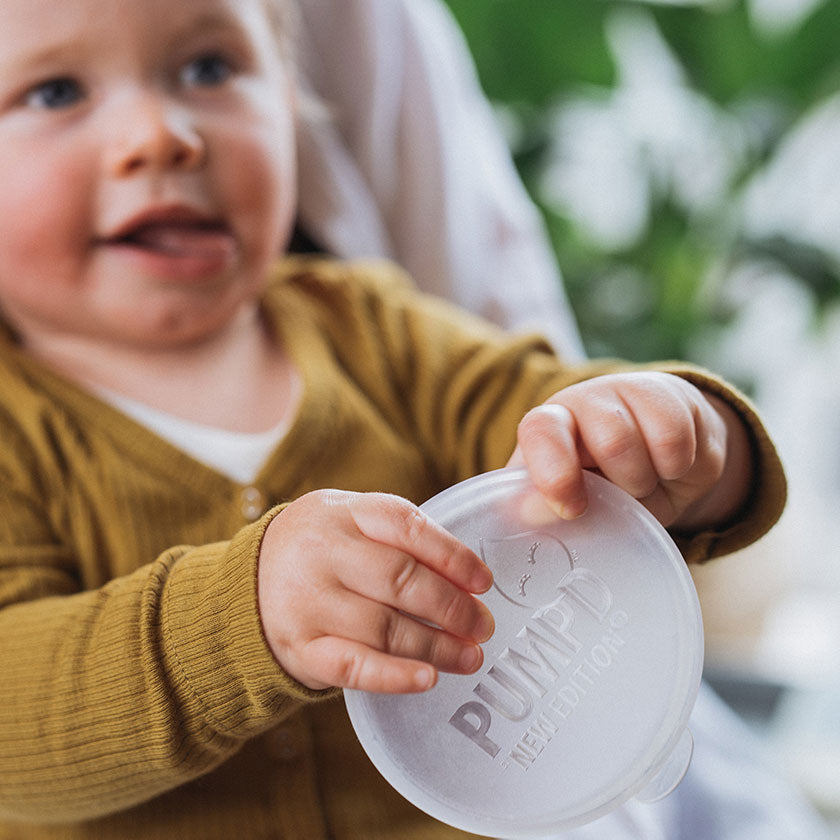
55,93
207,70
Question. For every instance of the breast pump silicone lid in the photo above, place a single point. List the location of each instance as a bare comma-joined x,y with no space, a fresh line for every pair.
587,683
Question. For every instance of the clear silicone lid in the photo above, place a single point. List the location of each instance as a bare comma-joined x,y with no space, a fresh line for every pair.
587,683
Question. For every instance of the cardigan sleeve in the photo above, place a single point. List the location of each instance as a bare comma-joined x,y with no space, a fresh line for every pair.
112,696
465,384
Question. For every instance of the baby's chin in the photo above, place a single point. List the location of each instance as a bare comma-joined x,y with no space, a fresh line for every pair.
186,320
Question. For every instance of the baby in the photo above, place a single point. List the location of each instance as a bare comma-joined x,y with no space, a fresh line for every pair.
212,457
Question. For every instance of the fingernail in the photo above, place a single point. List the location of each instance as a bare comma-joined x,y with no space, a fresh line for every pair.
482,580
486,625
569,510
470,658
424,678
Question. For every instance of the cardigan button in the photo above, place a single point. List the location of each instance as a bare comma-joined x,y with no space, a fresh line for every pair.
252,503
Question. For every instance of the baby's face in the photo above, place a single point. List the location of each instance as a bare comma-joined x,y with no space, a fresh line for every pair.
147,174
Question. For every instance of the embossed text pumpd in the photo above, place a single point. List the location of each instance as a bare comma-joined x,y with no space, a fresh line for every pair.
587,684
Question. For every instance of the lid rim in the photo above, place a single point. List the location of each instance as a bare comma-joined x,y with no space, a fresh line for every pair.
640,769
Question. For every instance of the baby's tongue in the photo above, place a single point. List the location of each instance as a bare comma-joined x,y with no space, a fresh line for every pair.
184,240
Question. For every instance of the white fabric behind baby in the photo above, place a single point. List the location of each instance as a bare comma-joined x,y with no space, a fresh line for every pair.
409,163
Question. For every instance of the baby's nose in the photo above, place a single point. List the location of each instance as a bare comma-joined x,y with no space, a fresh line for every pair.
156,135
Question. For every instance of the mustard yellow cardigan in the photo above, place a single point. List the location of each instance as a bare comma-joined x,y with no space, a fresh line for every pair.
138,697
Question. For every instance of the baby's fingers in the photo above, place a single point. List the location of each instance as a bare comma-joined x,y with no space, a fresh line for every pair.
548,445
387,576
614,443
666,411
397,634
332,660
395,522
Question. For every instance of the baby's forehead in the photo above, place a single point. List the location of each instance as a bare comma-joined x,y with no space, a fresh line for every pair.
44,28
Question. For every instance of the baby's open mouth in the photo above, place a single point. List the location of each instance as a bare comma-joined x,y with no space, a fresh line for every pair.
175,238
178,238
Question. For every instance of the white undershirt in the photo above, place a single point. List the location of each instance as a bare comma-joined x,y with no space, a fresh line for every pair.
238,455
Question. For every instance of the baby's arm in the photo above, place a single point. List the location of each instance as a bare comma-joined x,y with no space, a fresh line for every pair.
341,574
341,577
683,453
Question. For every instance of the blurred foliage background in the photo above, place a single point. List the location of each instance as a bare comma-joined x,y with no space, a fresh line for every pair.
686,156
676,148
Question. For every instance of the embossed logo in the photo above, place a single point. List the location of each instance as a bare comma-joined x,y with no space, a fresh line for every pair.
571,636
535,580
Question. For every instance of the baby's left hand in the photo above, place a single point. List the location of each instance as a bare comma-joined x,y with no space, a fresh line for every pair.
683,453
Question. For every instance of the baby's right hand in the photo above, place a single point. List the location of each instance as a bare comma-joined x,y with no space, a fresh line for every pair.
340,576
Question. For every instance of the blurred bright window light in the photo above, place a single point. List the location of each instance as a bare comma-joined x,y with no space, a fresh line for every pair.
770,17
682,2
614,150
778,17
796,194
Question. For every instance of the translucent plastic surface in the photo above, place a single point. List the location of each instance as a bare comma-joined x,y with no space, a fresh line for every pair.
587,683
